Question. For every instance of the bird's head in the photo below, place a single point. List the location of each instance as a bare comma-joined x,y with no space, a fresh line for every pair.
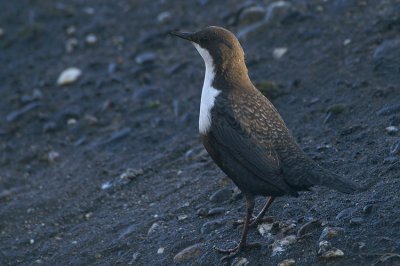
219,47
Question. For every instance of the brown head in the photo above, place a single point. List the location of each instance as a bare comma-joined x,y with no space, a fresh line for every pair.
220,49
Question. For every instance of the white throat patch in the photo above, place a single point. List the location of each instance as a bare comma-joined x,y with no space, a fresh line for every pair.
208,93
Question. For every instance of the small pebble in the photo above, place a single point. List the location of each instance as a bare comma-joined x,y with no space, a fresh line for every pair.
164,17
368,209
36,95
391,160
336,108
52,156
49,127
68,76
388,110
240,261
280,245
356,221
145,58
323,245
210,226
277,10
71,121
160,251
71,44
359,245
182,217
153,228
330,232
91,119
112,67
106,185
347,42
345,214
332,253
391,130
91,39
32,241
131,173
387,51
89,10
14,115
264,228
278,53
71,30
135,256
395,148
251,14
221,195
287,262
188,253
202,212
215,211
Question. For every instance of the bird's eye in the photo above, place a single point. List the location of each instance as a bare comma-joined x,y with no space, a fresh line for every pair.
204,41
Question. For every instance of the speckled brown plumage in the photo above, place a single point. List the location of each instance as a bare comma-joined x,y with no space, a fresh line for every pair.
247,137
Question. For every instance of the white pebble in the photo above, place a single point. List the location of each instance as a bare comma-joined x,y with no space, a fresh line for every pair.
71,121
68,76
52,156
164,17
91,39
160,251
264,228
182,217
32,241
347,42
392,129
280,245
278,53
106,185
154,227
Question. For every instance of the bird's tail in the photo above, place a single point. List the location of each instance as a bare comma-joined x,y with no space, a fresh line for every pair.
323,177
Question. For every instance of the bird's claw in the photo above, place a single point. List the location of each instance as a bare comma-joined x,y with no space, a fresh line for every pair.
232,252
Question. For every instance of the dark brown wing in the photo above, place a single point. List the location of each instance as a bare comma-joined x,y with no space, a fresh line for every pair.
259,160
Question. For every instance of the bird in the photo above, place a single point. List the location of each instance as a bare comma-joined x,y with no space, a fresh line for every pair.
246,136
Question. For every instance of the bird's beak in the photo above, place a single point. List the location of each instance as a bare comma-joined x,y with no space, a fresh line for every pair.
183,35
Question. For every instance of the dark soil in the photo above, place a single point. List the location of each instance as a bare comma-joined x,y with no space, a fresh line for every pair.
88,168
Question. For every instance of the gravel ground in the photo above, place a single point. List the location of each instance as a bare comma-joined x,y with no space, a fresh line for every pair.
105,167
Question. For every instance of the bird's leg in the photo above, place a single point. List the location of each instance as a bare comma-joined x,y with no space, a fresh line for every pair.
254,221
243,239
260,217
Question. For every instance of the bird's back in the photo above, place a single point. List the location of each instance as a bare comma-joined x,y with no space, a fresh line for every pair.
256,114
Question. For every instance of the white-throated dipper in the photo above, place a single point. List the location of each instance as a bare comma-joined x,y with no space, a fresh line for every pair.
244,133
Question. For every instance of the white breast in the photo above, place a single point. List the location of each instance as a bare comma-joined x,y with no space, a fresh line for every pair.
208,93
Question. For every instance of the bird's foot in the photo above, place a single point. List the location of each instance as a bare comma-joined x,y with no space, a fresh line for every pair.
232,252
241,221
260,220
255,221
